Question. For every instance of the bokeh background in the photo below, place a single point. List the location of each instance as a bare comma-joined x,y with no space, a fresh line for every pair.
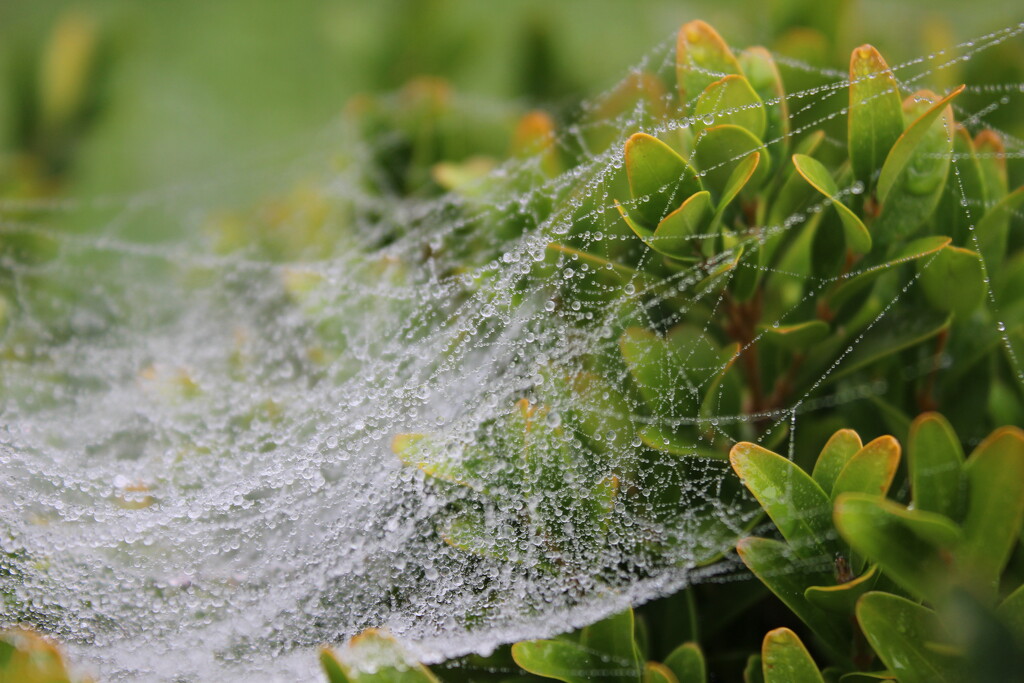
190,85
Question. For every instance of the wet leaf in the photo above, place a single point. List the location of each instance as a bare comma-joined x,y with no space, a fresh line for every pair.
674,234
373,656
702,57
797,336
890,335
763,74
841,598
658,178
784,659
559,659
720,150
993,228
875,115
906,147
741,175
995,506
911,546
837,451
658,673
935,459
857,236
788,576
871,469
914,174
794,501
953,281
900,632
731,100
687,663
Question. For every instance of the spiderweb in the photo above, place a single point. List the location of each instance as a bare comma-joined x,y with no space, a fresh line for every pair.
200,428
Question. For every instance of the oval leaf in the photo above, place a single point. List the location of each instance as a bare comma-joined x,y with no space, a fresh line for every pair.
658,177
720,150
702,57
901,633
876,112
911,546
789,577
954,281
905,148
794,501
857,236
995,507
871,469
784,659
935,459
730,100
840,447
687,663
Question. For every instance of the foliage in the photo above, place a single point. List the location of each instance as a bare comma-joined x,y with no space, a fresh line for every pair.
918,592
760,266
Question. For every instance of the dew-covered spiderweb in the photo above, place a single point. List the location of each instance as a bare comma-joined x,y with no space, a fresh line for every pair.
270,407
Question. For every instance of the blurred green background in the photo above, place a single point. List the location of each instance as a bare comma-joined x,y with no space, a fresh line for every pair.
195,84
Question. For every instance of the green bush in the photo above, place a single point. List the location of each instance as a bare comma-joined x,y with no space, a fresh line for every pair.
762,260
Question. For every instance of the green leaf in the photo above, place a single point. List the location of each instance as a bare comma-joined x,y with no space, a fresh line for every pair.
841,598
902,633
658,673
658,177
871,469
730,100
965,198
838,450
906,147
374,657
876,112
857,236
560,659
763,74
784,659
614,273
331,666
795,337
856,286
954,281
687,663
995,507
794,501
789,576
994,226
794,192
702,57
992,158
935,459
613,639
911,546
752,671
659,375
1011,611
720,150
890,335
674,234
721,397
741,175
866,677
